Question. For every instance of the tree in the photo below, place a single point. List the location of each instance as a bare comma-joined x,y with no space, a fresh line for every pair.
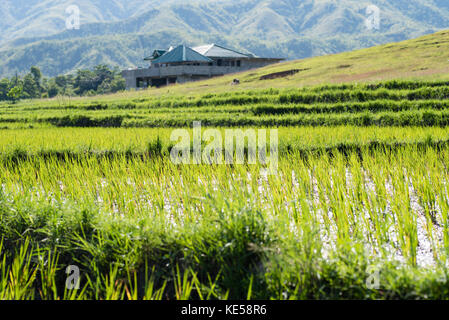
31,89
37,74
103,73
101,79
61,81
15,93
53,90
5,86
85,81
118,84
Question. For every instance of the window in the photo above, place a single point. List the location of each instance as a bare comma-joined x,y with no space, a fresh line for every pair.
219,62
239,63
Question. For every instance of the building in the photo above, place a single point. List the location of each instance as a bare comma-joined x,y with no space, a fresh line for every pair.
184,64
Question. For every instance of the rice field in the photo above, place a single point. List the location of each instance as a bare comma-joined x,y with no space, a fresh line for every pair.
393,103
357,210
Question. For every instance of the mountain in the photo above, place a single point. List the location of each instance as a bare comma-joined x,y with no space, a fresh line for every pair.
37,18
122,32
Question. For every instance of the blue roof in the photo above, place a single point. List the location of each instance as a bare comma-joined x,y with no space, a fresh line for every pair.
181,53
156,54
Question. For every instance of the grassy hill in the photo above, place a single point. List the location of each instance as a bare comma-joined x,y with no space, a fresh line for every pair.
424,58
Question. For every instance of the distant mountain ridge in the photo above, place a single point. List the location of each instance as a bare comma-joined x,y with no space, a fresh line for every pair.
121,33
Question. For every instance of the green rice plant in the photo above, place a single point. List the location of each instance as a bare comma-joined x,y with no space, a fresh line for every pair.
48,271
183,285
405,217
150,293
20,275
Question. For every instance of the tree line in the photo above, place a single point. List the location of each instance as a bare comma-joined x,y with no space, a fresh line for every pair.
33,85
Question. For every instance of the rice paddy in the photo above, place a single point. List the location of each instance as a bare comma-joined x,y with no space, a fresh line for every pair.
358,208
393,103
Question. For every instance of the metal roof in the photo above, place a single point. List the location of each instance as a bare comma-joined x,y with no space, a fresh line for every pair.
216,51
156,54
181,53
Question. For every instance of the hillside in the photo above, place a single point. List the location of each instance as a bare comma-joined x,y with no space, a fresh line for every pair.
120,33
424,58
